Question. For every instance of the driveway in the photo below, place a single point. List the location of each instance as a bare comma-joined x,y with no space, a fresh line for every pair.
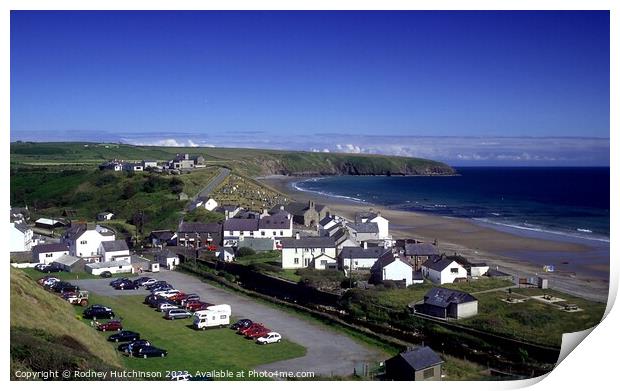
328,352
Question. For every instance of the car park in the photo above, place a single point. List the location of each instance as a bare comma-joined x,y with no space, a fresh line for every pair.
155,301
177,313
113,325
242,323
128,347
63,287
197,305
160,288
149,351
106,274
97,311
165,306
156,284
124,336
271,337
189,297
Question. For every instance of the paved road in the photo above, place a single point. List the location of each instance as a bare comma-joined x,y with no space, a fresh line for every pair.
208,189
328,352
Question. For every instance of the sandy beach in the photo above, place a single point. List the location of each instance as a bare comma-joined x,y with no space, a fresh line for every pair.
516,253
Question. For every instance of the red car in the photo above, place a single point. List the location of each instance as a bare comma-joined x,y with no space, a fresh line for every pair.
178,297
196,305
113,325
258,332
251,328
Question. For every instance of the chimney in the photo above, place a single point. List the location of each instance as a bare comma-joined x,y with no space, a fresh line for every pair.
281,207
311,204
365,245
297,235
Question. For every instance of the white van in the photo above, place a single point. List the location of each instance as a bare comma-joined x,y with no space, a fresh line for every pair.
213,316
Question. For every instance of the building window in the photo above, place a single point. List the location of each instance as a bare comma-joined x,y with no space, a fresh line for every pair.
274,233
83,242
454,270
262,233
281,233
428,373
296,261
231,232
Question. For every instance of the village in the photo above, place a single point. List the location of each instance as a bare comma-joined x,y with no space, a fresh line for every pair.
290,238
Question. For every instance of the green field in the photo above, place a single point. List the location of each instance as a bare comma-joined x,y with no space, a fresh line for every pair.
188,349
251,162
35,275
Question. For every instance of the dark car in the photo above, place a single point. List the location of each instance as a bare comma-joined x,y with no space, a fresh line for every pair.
97,311
149,351
155,301
53,268
158,285
159,288
63,287
118,281
129,347
124,336
241,324
105,274
127,285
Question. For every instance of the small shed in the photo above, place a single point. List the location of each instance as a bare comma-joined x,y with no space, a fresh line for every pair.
226,254
183,197
421,363
140,264
448,303
71,264
48,223
167,259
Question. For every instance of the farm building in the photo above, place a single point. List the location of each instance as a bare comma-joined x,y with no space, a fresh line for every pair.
417,364
448,303
112,266
167,259
69,263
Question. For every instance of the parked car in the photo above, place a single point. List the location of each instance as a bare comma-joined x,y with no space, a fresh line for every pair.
48,281
189,297
97,311
157,300
168,293
271,337
113,325
177,313
197,306
156,284
128,347
141,280
160,288
242,323
106,274
127,285
115,283
149,282
124,336
63,287
165,306
40,267
150,351
257,332
249,329
52,268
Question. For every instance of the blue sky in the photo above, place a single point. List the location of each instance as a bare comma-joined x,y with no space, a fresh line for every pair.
469,88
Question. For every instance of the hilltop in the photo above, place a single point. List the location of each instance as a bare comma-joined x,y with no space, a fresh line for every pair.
250,162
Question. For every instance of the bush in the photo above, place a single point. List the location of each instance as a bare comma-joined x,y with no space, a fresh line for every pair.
245,251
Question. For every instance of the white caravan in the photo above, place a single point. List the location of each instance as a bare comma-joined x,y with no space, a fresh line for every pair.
213,316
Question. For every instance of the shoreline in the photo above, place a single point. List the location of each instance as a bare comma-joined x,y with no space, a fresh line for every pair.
516,253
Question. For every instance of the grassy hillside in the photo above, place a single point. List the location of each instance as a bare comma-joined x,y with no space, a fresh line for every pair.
46,335
251,162
50,190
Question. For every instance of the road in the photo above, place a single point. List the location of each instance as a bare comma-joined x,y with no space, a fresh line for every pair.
328,352
208,189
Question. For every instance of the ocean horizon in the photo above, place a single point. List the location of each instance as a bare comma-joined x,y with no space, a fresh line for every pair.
569,202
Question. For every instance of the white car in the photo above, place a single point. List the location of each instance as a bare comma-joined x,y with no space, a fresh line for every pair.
149,282
50,281
269,338
168,293
163,307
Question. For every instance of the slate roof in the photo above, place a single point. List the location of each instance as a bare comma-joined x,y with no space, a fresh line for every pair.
241,225
421,358
420,249
67,260
49,248
21,227
277,221
443,297
114,245
102,265
438,263
308,242
326,220
75,231
360,216
387,258
496,273
297,208
360,252
258,244
191,227
372,228
162,235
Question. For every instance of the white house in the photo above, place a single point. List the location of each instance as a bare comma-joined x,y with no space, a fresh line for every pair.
48,253
279,225
210,204
149,163
226,254
364,231
325,262
96,268
84,241
383,224
20,237
392,267
114,250
167,259
441,270
300,252
354,258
